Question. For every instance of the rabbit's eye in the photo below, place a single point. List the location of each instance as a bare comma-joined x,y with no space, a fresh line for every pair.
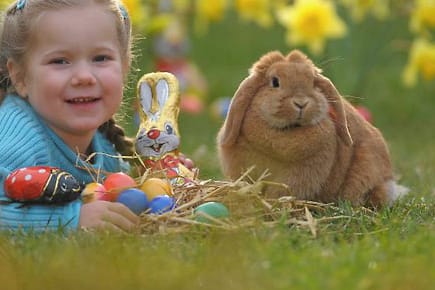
169,129
275,82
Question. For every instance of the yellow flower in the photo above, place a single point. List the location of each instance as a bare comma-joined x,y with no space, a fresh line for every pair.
137,12
209,11
423,16
311,22
4,4
421,59
360,8
255,10
181,6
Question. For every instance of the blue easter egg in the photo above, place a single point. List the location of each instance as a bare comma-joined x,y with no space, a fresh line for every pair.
220,107
134,199
224,106
161,204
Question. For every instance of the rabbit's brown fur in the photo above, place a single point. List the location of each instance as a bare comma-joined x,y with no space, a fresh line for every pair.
290,120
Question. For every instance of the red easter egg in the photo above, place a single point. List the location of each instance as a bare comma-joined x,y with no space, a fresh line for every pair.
117,182
191,104
365,113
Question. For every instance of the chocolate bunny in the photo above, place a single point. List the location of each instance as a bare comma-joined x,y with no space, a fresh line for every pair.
158,138
289,119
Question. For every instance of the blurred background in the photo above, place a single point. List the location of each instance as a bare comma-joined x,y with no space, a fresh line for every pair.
379,53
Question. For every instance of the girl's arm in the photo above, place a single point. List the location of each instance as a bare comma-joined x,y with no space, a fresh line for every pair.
65,217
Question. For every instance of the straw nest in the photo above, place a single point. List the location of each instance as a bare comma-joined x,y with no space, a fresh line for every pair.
247,206
246,202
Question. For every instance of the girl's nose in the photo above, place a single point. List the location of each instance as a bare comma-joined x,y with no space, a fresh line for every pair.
83,76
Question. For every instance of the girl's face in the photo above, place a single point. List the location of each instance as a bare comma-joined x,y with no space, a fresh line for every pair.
73,75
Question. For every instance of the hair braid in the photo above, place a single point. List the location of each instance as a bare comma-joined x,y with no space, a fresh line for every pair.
116,135
4,84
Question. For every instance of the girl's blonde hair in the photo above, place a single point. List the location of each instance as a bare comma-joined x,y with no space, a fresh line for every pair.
18,25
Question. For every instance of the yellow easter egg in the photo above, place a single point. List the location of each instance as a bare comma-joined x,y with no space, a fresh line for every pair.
155,186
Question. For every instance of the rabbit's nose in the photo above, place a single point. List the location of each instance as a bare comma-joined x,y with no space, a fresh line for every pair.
300,104
153,134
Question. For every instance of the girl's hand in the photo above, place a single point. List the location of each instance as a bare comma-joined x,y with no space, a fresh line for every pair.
107,215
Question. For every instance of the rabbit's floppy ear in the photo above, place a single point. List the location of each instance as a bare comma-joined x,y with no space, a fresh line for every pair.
239,103
336,102
244,95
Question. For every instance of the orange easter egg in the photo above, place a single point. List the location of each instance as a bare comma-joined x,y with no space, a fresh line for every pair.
94,191
155,186
117,182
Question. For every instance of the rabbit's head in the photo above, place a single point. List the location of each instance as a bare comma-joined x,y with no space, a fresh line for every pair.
158,97
288,92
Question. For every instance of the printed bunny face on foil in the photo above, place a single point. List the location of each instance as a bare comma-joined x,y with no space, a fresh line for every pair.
158,96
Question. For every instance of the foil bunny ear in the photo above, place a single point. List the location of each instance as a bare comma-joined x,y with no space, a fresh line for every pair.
159,99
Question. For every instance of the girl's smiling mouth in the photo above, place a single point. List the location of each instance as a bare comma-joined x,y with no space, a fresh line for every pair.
82,100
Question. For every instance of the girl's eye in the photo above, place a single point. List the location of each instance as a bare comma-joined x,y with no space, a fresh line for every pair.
58,61
101,58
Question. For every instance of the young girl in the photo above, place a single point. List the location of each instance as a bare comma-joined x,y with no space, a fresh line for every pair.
62,68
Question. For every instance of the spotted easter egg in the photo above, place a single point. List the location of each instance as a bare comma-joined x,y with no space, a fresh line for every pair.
44,184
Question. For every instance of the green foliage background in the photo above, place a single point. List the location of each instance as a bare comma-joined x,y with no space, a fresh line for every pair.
392,249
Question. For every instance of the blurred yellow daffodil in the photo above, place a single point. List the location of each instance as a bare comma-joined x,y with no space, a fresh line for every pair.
423,16
181,6
421,60
311,22
138,13
4,4
258,11
209,11
360,8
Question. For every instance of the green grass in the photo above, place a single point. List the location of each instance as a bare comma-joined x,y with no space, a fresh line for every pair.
391,249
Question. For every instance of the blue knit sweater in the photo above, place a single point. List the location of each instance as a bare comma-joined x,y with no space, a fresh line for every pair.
25,140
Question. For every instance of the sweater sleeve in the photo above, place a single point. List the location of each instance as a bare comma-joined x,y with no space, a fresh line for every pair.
35,217
15,216
22,144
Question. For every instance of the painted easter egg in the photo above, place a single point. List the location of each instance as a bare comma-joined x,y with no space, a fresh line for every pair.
365,113
191,104
219,108
213,209
95,191
134,199
117,182
161,204
154,187
43,184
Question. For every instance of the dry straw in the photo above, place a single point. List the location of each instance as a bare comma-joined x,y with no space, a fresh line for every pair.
247,206
245,199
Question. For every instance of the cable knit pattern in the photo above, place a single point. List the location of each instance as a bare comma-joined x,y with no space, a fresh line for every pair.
25,140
